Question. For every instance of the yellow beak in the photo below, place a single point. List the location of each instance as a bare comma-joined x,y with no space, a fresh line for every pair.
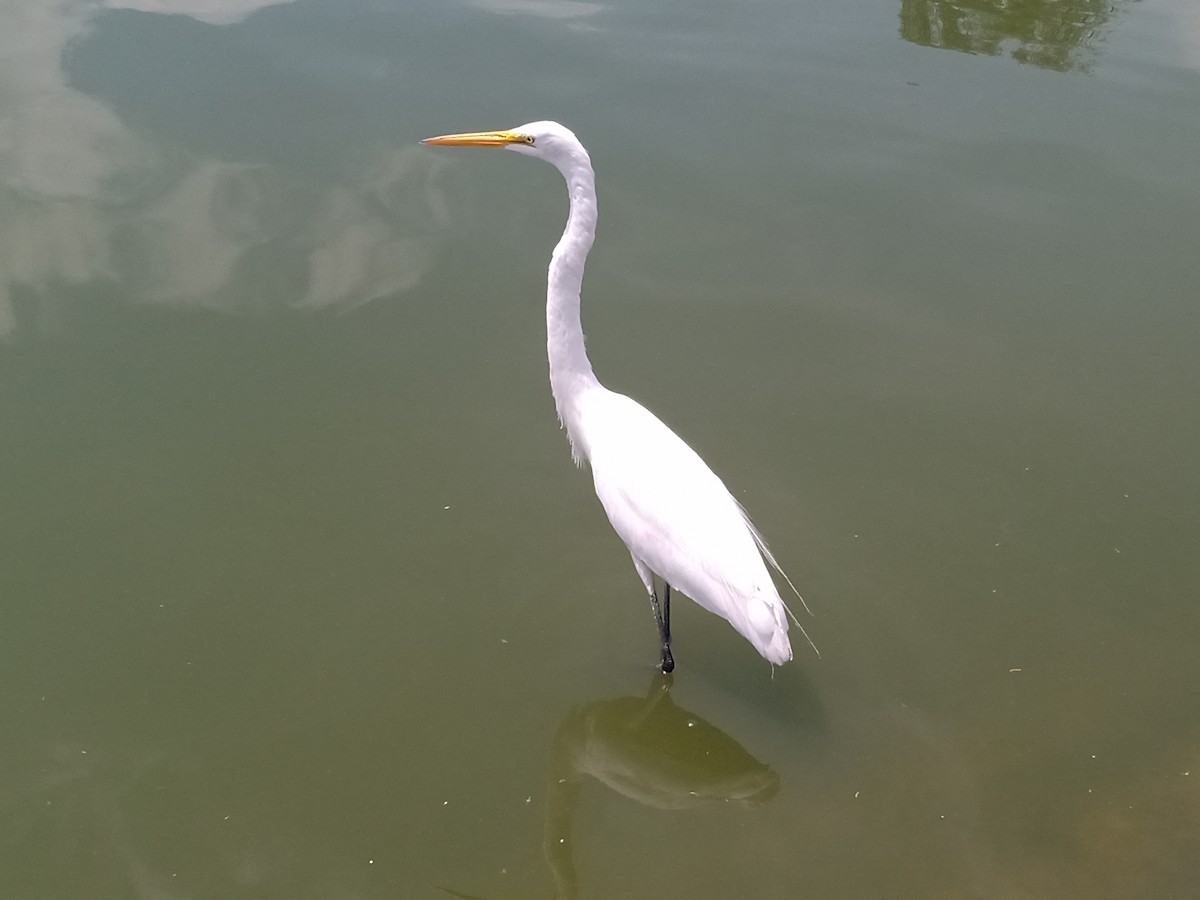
477,139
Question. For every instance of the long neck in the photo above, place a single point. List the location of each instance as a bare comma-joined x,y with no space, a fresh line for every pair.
570,370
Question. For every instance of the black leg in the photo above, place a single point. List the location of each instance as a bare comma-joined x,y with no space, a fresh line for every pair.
664,629
662,618
668,661
666,624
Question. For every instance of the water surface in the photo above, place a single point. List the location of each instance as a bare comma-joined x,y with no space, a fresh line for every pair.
302,596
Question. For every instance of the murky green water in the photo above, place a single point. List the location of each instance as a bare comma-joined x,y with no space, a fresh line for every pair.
301,597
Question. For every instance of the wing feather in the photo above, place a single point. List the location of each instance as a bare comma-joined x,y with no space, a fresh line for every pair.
678,518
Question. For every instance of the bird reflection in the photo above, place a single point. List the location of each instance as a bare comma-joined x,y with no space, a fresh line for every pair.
652,751
649,750
1051,34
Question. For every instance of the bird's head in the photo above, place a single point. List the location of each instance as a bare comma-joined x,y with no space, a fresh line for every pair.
545,140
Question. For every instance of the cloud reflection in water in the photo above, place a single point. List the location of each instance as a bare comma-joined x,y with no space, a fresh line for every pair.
91,199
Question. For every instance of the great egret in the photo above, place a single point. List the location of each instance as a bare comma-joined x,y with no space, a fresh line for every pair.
677,518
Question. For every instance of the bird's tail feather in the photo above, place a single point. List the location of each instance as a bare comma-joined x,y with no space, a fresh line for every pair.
761,543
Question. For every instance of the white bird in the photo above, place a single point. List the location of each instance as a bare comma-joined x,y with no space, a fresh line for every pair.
675,515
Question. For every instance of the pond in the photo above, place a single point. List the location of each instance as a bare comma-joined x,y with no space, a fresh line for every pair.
303,597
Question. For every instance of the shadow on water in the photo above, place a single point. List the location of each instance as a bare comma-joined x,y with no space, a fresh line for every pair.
1045,33
651,751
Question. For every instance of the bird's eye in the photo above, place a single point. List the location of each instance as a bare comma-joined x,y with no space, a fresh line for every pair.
527,138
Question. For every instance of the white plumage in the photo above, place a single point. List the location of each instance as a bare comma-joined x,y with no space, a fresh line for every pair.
677,518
